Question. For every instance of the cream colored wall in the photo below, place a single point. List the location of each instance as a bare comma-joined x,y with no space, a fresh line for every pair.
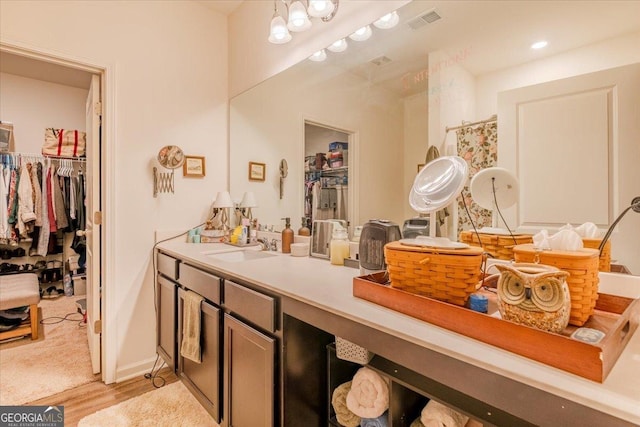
33,105
373,115
252,59
169,85
416,143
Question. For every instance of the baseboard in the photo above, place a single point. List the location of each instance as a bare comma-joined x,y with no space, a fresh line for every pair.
134,370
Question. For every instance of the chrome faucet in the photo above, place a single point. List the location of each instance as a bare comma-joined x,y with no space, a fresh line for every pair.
264,242
274,245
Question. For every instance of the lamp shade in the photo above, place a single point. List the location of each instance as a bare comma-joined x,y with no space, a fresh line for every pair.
389,20
298,18
249,200
319,56
320,8
361,34
223,200
279,33
338,46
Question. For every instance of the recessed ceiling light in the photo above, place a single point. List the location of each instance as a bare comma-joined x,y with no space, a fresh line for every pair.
539,45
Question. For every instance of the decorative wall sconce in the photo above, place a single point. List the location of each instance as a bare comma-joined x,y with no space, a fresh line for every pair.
248,202
170,157
221,206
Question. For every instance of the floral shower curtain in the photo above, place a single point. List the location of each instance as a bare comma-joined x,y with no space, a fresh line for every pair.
479,147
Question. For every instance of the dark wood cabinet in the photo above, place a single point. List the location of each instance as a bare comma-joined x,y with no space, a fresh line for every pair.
249,375
203,379
166,320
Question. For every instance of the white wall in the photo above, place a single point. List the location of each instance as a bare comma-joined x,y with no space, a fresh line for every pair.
416,143
268,128
33,105
167,71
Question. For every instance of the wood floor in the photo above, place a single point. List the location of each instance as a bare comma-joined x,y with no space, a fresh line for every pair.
89,398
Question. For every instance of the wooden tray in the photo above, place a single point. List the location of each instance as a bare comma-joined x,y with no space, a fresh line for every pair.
616,316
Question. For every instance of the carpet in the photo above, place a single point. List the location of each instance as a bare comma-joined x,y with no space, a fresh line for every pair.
57,361
171,405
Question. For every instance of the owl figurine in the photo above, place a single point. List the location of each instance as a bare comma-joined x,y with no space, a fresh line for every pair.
534,295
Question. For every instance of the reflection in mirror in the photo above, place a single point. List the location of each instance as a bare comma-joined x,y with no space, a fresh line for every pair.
444,63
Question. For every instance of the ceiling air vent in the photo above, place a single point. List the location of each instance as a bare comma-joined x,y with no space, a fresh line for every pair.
380,60
424,19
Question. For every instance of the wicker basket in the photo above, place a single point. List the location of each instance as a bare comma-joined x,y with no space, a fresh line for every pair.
498,245
583,279
605,258
346,350
449,275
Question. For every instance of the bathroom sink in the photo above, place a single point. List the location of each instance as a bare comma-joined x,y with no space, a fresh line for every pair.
240,256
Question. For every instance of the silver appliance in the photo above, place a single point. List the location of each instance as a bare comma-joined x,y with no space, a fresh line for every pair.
321,233
375,234
418,226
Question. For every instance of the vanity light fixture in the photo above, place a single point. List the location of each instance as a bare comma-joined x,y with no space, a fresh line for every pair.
319,56
539,45
361,34
338,46
278,33
298,17
389,20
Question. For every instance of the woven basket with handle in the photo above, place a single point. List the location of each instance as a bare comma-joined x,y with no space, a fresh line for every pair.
498,245
583,279
449,275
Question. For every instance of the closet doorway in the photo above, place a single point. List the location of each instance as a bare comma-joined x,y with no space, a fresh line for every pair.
63,94
329,186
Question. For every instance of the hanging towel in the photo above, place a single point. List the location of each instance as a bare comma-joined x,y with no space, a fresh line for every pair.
369,394
190,347
435,414
417,423
344,416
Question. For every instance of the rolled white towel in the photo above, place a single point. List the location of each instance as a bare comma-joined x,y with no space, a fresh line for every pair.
436,414
369,394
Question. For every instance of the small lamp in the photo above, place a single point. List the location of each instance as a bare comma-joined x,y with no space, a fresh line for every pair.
248,202
223,201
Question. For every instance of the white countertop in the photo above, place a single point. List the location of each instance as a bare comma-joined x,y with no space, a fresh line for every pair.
318,283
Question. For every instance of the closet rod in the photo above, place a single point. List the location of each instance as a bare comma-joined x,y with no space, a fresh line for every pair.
493,118
74,159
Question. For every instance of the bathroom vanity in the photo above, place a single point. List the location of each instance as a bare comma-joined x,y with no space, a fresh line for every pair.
269,323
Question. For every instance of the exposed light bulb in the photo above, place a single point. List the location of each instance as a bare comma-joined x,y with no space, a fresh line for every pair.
389,20
320,8
539,45
338,46
298,18
362,34
319,56
279,33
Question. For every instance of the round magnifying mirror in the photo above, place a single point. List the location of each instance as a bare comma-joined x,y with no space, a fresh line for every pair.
171,157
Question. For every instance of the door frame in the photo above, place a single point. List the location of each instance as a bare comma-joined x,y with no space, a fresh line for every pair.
106,72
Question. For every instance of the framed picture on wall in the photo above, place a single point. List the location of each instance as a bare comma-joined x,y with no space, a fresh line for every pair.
193,166
256,171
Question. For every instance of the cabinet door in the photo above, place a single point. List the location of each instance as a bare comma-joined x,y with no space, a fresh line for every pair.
203,379
249,379
166,321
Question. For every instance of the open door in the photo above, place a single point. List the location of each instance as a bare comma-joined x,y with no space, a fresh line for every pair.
93,232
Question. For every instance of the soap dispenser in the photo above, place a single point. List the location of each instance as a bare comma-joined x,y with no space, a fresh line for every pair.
304,230
287,236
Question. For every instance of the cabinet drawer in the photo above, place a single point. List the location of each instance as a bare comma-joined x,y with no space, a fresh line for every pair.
200,282
168,266
257,308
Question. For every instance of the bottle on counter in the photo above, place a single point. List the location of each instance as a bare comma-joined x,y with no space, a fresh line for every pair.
304,230
287,236
339,246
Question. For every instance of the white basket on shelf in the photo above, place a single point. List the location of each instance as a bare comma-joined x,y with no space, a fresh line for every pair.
346,350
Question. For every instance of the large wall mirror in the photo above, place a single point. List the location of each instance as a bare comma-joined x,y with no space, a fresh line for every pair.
444,63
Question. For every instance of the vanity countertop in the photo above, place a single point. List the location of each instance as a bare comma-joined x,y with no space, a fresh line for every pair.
318,283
